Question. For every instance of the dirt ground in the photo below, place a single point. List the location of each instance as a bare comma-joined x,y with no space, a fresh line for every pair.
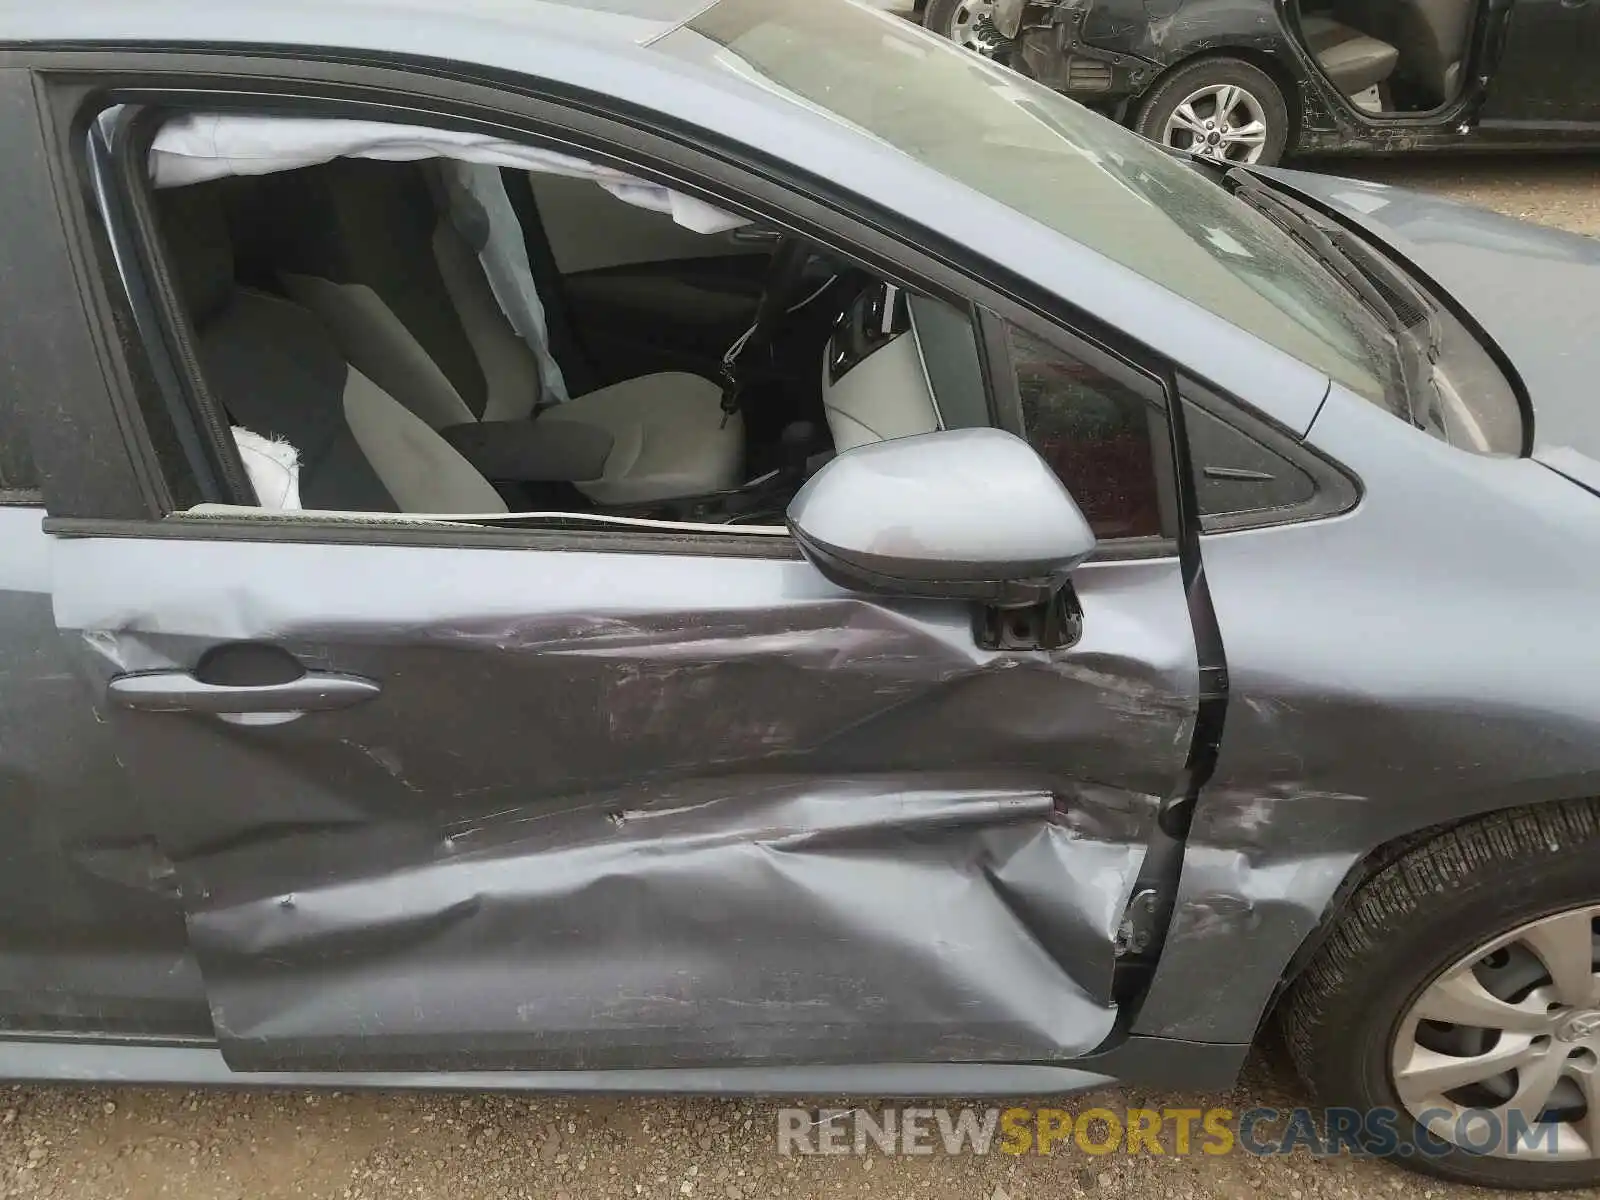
141,1144
81,1144
1555,190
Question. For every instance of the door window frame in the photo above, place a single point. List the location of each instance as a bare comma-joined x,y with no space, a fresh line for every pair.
76,81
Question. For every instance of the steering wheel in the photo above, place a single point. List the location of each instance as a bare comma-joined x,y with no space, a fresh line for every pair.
753,350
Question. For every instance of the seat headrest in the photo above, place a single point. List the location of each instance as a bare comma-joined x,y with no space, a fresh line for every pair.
194,226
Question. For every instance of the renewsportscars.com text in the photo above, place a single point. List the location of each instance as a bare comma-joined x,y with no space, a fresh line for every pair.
1174,1131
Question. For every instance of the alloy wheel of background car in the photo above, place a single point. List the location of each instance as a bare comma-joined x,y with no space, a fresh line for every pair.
1223,109
954,19
1513,1026
1222,121
1458,993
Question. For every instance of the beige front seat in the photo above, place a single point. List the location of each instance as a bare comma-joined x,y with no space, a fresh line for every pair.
1433,37
1352,60
369,248
276,372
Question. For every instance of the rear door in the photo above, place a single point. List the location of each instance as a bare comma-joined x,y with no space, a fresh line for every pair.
92,938
1547,75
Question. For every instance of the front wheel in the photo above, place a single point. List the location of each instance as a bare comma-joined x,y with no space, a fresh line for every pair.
1223,109
955,19
1456,1004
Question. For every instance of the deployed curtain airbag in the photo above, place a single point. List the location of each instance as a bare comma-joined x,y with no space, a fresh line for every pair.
204,146
201,147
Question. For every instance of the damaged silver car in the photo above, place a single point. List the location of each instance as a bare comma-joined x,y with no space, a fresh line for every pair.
646,546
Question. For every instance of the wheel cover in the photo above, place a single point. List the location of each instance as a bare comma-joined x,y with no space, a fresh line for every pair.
1510,1033
960,26
1224,122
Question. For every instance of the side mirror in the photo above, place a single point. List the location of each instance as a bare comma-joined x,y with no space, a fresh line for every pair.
970,514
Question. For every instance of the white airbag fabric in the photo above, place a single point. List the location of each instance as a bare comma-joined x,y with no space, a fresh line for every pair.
204,146
477,197
273,467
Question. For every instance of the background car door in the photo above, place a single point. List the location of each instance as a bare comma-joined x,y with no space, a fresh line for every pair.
475,807
1547,72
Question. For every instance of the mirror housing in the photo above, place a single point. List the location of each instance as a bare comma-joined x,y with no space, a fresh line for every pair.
970,514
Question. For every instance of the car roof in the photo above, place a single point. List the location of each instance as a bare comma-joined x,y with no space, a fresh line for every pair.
352,24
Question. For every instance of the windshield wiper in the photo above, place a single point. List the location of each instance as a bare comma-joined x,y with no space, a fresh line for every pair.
1415,331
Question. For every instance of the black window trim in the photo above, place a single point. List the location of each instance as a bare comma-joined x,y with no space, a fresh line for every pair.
86,456
1337,489
197,439
768,191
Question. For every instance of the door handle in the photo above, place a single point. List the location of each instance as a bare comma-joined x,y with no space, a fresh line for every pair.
179,691
747,236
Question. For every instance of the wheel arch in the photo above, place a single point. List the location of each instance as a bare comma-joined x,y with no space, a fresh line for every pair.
1350,1024
1374,863
1270,64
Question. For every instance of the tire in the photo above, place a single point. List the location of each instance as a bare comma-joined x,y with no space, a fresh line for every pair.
950,18
1428,917
1200,83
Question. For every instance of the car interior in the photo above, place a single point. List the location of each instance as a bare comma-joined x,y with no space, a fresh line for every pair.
347,309
1392,56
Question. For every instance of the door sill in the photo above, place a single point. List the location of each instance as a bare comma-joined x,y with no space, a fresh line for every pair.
158,1061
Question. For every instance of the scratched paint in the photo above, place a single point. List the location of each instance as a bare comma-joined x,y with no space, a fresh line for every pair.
590,822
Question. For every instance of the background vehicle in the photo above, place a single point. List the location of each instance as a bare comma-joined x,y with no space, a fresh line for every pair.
949,629
1249,80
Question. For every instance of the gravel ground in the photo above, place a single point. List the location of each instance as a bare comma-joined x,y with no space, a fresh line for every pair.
78,1144
1555,190
61,1144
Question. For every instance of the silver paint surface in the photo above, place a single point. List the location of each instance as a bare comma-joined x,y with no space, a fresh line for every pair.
1431,655
93,938
919,514
1427,656
590,823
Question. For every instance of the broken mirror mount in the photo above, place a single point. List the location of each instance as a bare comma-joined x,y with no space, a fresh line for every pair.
1054,623
962,514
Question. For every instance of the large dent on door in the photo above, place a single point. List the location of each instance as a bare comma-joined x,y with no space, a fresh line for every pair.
785,921
798,828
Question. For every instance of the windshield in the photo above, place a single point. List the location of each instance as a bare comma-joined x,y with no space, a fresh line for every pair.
1050,159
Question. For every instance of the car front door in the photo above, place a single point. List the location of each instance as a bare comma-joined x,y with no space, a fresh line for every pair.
1546,76
472,807
447,797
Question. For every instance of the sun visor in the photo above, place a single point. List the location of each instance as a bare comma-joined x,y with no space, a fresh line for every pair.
205,146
